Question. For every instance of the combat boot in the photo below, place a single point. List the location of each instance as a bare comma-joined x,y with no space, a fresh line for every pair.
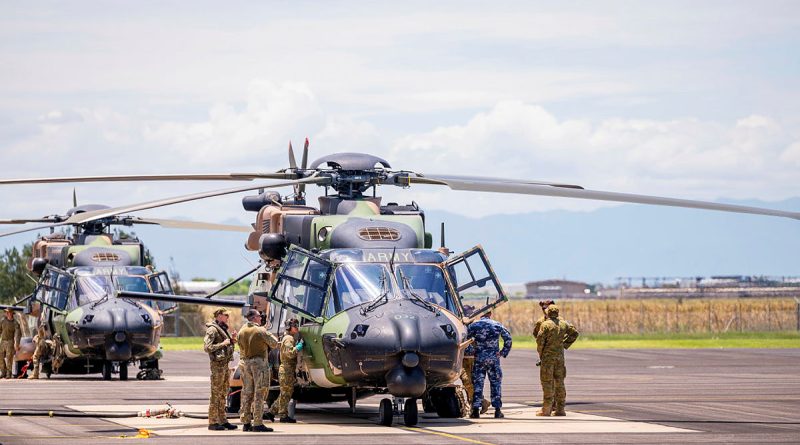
229,426
558,410
262,429
247,427
485,406
269,416
498,414
475,414
216,427
545,410
287,419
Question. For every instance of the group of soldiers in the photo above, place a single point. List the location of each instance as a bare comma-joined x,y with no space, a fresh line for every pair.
553,335
10,336
254,342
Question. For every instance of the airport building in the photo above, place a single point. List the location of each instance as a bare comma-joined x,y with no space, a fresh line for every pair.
557,290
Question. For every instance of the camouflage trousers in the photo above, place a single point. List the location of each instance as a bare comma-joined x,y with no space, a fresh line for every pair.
287,379
490,366
552,373
41,349
6,358
220,376
255,385
466,376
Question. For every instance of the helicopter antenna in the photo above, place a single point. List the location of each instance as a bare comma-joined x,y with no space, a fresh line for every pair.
74,198
443,243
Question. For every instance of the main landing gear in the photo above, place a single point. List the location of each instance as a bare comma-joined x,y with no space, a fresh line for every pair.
397,406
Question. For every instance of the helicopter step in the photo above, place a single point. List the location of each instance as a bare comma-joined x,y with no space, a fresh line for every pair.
398,406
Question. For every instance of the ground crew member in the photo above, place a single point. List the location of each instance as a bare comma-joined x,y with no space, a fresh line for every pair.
219,344
286,371
466,372
538,325
555,335
10,334
254,341
487,333
40,339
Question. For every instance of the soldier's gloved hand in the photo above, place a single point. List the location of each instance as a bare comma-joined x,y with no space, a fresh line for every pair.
300,345
538,363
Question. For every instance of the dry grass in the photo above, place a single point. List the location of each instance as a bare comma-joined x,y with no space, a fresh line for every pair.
659,316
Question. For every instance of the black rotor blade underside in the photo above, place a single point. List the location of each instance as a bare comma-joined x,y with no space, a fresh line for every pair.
180,299
165,177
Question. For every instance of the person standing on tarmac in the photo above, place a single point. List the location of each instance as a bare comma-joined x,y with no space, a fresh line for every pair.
487,333
286,371
41,349
10,335
544,304
555,335
219,345
254,341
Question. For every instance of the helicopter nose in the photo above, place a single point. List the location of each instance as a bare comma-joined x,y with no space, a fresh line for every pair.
114,330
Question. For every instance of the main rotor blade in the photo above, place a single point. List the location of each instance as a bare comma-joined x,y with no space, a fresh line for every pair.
508,186
166,177
180,299
301,189
197,225
292,160
13,308
26,221
32,229
105,213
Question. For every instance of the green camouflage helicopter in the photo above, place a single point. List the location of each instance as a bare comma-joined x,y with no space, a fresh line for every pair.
88,328
382,311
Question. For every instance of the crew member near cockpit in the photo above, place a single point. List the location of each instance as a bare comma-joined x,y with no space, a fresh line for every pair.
286,372
10,335
487,334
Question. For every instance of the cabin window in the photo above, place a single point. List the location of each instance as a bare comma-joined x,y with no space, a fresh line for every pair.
302,283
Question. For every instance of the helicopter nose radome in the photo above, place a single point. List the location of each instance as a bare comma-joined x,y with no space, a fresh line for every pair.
403,381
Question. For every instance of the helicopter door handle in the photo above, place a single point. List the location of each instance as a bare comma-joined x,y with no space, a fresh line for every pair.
466,343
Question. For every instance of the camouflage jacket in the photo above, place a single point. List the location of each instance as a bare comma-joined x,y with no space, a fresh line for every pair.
213,343
254,340
487,333
538,326
555,335
288,350
10,331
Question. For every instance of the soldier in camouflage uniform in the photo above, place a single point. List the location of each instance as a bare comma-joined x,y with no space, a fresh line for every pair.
555,335
41,349
538,325
286,371
10,335
254,342
219,345
487,333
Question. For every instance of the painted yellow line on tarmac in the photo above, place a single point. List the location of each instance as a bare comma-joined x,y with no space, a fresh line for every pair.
449,436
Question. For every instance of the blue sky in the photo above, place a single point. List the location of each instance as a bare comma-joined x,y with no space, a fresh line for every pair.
688,99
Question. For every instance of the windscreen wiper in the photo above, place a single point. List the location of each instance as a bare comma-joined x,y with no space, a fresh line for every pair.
406,283
382,298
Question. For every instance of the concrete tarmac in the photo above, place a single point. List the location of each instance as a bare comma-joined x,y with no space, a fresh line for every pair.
614,396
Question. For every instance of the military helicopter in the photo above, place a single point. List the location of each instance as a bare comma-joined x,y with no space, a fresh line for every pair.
74,299
382,311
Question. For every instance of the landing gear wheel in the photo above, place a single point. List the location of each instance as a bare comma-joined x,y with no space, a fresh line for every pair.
107,367
410,412
386,413
427,404
123,370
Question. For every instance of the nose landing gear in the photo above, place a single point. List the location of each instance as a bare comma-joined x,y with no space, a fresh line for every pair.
397,406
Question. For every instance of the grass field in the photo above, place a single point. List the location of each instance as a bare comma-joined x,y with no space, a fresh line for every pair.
786,339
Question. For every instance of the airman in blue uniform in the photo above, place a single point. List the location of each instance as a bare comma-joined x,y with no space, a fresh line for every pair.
487,334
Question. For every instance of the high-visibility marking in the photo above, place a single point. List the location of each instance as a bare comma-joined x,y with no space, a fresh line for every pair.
449,436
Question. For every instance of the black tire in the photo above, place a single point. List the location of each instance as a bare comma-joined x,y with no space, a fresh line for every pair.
107,367
410,413
446,403
386,413
234,400
20,366
123,371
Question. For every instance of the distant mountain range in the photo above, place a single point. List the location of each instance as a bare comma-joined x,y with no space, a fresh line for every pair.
595,246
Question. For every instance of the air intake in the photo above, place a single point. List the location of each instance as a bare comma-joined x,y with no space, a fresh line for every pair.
378,234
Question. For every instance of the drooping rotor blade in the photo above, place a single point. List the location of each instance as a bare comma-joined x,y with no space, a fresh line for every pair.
13,308
32,229
79,218
197,225
439,179
26,221
180,299
477,184
176,177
